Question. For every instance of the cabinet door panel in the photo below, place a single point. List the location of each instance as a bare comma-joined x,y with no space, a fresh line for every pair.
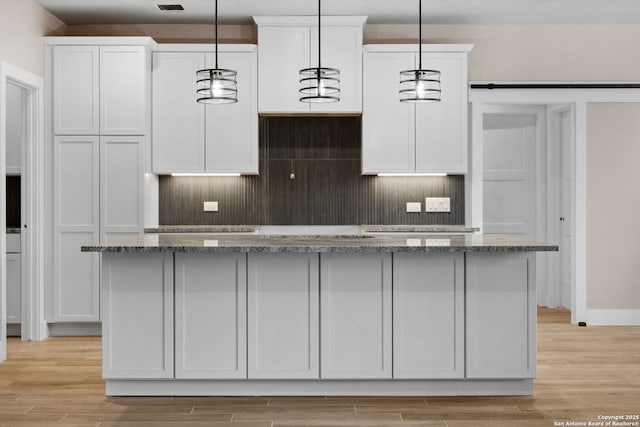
178,120
283,315
232,129
441,127
14,289
428,315
356,315
76,222
283,52
341,49
501,315
138,316
388,125
75,90
211,313
121,184
123,90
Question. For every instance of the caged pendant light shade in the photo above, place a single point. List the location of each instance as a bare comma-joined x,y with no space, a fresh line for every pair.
319,84
420,85
216,85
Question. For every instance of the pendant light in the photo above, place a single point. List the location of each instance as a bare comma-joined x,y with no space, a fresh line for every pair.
216,85
319,84
420,85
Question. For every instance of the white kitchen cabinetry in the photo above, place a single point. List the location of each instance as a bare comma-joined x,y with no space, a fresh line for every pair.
282,318
76,220
501,315
189,137
289,44
138,309
97,194
100,90
14,299
210,310
15,127
414,138
428,315
356,315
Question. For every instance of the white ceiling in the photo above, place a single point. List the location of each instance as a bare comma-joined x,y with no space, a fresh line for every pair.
378,11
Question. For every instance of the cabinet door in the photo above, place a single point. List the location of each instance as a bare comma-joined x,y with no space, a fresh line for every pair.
14,289
501,315
388,125
76,222
283,315
124,74
211,309
283,52
138,316
178,120
121,185
341,49
75,90
15,127
428,315
441,127
355,318
232,129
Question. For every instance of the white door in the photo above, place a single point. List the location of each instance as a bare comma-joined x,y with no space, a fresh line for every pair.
509,165
567,209
282,315
355,317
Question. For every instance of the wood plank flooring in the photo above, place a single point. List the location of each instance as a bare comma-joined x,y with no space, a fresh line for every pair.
582,373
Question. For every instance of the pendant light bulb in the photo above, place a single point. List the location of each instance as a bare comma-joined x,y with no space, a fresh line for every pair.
420,85
319,84
216,85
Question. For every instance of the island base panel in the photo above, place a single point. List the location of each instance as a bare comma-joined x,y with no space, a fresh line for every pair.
514,387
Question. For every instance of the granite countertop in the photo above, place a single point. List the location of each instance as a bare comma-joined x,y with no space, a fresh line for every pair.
415,242
14,230
202,229
418,228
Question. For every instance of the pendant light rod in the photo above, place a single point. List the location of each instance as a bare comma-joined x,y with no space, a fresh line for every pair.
216,12
319,41
420,34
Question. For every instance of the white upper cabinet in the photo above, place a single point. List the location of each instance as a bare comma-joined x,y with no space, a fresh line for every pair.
178,120
189,137
414,138
288,44
123,90
231,130
100,90
15,126
76,90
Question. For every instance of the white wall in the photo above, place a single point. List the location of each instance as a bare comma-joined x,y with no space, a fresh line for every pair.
22,25
613,240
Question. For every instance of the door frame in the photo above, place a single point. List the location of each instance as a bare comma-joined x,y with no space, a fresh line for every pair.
578,98
33,326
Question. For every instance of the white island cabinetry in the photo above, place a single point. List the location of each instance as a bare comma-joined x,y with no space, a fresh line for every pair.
254,316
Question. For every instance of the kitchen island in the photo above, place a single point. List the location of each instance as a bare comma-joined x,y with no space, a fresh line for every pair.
413,314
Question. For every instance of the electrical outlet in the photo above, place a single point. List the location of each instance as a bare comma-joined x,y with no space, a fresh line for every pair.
414,207
211,206
437,204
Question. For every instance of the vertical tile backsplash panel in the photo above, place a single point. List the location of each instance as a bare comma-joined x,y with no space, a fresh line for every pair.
324,155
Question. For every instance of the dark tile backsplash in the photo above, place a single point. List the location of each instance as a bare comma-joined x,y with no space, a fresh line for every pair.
324,155
13,201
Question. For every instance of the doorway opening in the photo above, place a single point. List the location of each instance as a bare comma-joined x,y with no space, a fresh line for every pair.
528,188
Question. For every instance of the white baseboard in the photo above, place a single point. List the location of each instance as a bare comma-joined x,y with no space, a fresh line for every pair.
71,329
613,317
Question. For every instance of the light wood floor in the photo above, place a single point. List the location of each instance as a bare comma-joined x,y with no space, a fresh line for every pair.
582,373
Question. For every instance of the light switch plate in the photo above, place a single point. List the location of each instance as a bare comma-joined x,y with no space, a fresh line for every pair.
211,206
437,204
414,207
